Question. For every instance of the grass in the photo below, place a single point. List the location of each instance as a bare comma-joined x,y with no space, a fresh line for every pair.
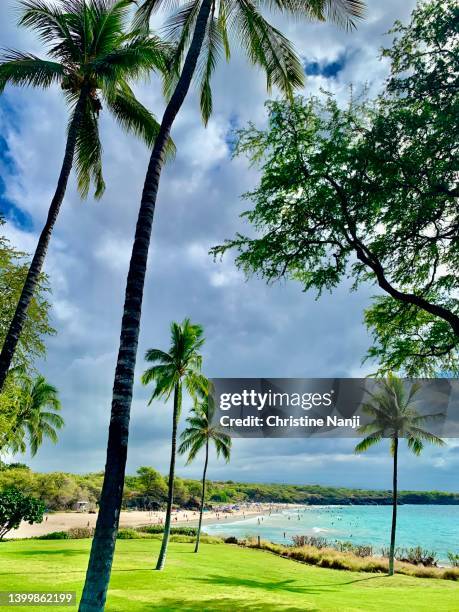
221,578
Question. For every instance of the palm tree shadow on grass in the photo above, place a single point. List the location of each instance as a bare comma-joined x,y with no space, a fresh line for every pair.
224,605
283,585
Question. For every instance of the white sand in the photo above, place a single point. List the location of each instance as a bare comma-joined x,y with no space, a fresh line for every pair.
62,521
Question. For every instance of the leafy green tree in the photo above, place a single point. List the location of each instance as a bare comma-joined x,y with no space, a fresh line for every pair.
181,365
202,29
16,507
92,57
13,272
200,432
152,483
394,416
37,415
370,192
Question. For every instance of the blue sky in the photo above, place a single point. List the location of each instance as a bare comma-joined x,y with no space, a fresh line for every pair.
252,330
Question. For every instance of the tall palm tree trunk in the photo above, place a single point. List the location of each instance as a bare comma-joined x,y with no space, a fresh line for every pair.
33,274
394,511
103,546
170,493
203,497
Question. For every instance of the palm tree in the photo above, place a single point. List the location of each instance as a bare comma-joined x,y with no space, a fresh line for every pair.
395,416
181,365
200,432
37,414
92,57
202,29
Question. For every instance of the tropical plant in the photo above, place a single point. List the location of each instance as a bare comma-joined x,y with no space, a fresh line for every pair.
201,29
37,415
14,265
394,416
200,432
370,191
92,57
16,507
180,366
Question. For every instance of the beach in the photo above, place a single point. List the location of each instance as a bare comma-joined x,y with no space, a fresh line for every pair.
63,521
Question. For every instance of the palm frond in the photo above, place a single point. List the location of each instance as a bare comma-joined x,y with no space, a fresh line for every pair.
88,154
210,54
51,25
134,117
178,30
268,48
25,69
368,442
133,60
148,7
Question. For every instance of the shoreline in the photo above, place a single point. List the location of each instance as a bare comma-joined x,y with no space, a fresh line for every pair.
63,521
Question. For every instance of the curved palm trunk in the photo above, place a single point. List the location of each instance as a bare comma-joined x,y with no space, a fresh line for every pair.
170,493
394,511
103,546
203,496
33,274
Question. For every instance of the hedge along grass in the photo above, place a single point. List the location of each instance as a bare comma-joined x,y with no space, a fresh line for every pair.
333,559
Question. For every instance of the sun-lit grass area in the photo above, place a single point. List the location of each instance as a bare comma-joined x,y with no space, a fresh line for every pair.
220,578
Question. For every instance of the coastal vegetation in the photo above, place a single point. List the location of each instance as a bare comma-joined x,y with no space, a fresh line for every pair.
369,192
29,404
199,433
60,491
16,507
179,367
393,413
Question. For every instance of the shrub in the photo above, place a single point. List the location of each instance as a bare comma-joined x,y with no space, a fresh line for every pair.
348,560
231,540
189,531
78,533
451,574
304,540
128,534
453,558
54,535
15,507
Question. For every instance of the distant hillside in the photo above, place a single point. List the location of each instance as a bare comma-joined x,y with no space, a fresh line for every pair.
148,489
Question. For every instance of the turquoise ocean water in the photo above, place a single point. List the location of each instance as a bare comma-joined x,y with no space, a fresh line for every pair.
432,527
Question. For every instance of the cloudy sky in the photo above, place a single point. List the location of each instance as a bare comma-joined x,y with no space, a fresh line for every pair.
252,330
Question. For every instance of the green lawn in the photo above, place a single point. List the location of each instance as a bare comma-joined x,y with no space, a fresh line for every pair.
219,578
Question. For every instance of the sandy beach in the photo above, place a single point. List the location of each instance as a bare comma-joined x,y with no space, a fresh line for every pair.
62,521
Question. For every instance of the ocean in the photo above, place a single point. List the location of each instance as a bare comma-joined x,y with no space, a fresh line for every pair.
430,526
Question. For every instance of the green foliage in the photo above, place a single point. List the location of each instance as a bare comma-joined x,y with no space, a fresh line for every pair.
201,431
60,491
152,484
54,535
16,507
36,416
242,22
394,415
453,558
13,270
188,531
92,53
370,192
182,363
